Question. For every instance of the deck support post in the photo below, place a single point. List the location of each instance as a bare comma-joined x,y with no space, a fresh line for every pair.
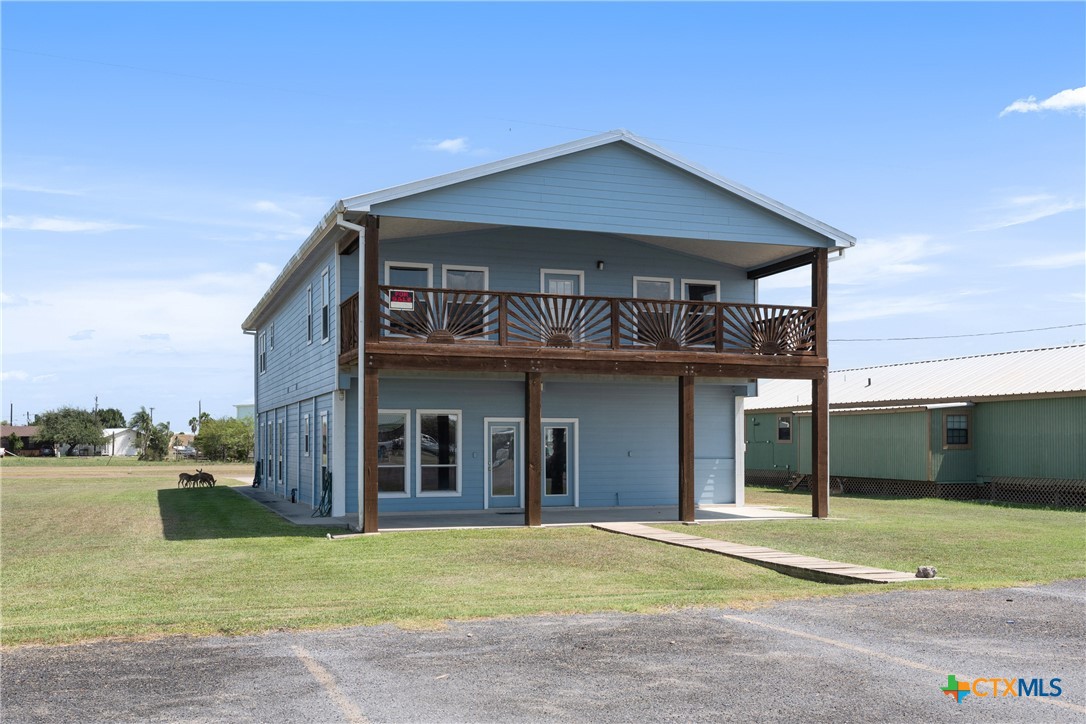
533,468
820,403
369,301
686,449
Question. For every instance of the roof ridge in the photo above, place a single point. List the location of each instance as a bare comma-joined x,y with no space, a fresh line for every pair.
952,359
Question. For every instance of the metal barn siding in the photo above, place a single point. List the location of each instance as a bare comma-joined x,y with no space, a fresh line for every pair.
763,450
880,445
1040,438
950,465
614,188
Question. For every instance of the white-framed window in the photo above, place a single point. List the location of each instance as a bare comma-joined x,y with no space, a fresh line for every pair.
784,428
460,276
653,288
262,352
326,299
437,451
271,335
305,435
408,274
393,453
309,314
280,449
561,281
701,290
324,440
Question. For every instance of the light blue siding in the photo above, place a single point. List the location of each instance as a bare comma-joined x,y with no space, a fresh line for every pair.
613,189
516,256
297,369
351,467
628,435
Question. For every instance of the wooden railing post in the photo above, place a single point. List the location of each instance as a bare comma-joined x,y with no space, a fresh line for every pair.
616,337
718,328
503,321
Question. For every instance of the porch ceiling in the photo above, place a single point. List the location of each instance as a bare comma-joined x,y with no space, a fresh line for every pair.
741,254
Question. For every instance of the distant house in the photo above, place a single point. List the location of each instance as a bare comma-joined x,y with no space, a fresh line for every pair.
1008,426
245,411
119,442
574,327
25,433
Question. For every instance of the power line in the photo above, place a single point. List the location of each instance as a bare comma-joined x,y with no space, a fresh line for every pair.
958,336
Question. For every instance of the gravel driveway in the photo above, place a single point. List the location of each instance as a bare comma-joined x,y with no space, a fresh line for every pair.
871,657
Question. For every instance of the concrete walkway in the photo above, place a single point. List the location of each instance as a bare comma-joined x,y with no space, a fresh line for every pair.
817,569
302,514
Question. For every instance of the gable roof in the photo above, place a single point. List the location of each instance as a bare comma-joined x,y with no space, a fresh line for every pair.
355,207
1036,372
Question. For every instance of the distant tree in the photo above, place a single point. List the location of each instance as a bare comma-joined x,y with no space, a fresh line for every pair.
158,442
110,417
142,423
226,438
69,426
13,443
195,422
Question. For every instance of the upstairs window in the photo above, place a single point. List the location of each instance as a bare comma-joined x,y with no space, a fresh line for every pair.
271,336
309,315
326,296
262,353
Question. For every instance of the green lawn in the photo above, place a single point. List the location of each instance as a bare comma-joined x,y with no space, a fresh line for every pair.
102,551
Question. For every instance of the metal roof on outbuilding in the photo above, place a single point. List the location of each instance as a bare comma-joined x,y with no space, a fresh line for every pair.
1032,372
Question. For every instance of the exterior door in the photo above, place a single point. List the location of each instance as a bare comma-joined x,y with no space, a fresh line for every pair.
504,463
561,317
559,462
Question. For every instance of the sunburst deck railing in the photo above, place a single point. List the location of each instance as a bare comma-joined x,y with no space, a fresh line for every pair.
514,319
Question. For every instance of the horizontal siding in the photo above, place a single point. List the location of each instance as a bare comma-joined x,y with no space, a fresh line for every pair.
1032,438
628,434
611,189
516,256
296,369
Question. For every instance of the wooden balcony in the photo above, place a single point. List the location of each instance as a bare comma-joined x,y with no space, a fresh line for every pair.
485,330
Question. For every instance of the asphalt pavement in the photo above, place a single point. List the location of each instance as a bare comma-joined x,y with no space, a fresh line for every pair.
871,657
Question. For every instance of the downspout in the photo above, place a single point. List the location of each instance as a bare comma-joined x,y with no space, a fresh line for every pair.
340,221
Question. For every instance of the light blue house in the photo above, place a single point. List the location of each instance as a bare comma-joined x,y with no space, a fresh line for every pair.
574,327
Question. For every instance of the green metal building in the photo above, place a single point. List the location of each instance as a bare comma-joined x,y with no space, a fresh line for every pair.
1008,426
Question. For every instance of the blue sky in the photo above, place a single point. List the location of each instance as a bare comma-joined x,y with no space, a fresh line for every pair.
161,162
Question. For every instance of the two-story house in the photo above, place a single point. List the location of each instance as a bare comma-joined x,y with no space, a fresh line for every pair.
573,327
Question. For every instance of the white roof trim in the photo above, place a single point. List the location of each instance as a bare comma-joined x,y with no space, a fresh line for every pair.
365,202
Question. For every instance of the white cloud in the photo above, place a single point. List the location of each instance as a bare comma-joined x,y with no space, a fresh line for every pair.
1072,100
10,375
449,145
854,308
82,335
270,207
1023,209
59,224
871,261
1052,261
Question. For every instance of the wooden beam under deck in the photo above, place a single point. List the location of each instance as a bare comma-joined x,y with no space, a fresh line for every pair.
465,358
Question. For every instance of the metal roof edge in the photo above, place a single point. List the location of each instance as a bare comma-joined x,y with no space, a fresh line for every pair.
920,402
953,359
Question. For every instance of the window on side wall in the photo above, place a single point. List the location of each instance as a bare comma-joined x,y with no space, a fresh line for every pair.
309,315
305,435
784,428
438,452
956,431
262,353
326,297
392,446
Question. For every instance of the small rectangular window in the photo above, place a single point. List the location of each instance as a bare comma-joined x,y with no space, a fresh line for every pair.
280,449
262,353
956,432
305,435
309,315
392,439
271,336
324,439
326,296
784,428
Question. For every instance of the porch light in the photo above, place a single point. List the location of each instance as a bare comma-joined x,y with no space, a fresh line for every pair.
599,265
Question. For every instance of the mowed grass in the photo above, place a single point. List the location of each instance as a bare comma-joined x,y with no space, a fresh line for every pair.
106,551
